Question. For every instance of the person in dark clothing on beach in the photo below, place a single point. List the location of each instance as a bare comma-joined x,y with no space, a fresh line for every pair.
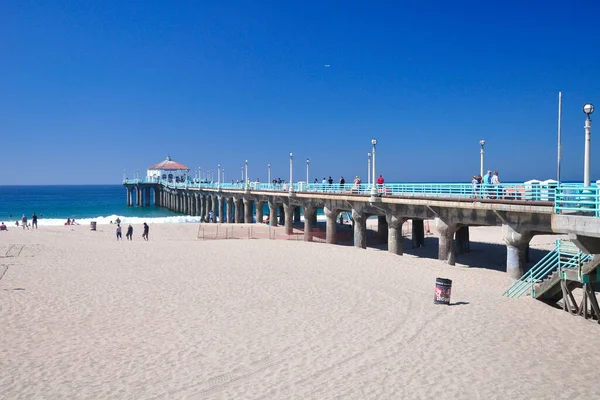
34,221
146,229
129,234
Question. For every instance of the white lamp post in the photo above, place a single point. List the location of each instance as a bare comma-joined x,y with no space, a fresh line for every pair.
587,109
124,176
246,180
242,174
218,176
307,162
369,168
223,175
291,177
199,173
482,143
268,174
374,181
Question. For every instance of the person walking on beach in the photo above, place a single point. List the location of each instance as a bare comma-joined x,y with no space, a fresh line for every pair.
34,221
24,222
119,237
146,229
211,216
129,234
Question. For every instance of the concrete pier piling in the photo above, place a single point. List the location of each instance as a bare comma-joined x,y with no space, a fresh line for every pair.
517,247
446,241
360,229
394,237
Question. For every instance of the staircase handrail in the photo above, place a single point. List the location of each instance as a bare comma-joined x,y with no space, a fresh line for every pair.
539,271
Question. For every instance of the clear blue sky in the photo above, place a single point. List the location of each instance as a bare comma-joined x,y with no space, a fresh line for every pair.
94,87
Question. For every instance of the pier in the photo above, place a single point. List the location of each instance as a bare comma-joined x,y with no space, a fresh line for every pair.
522,210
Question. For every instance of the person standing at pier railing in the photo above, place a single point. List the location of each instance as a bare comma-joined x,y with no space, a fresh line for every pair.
495,180
487,182
380,182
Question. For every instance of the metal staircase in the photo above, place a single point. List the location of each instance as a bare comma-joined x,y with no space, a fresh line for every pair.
556,275
546,274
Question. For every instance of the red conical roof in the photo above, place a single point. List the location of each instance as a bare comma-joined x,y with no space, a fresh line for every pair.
168,164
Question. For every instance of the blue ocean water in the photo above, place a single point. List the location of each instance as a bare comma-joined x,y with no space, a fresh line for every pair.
54,204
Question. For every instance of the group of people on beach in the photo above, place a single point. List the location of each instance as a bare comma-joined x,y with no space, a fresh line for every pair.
487,186
24,223
129,233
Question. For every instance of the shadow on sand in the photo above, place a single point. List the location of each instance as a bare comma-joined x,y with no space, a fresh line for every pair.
481,255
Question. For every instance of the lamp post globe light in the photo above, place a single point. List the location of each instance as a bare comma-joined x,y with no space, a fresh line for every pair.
373,180
291,176
482,143
588,109
246,180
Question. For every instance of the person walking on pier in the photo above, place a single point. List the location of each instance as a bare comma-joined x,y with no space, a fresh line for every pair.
146,229
498,186
119,237
34,221
487,182
342,183
129,234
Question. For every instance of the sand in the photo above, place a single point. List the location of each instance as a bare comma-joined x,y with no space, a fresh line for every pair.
86,317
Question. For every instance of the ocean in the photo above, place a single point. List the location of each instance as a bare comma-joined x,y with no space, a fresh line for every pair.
85,203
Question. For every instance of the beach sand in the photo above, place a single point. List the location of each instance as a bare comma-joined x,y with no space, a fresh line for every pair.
84,316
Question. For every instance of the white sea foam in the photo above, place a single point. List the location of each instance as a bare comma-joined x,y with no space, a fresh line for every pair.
124,220
180,219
